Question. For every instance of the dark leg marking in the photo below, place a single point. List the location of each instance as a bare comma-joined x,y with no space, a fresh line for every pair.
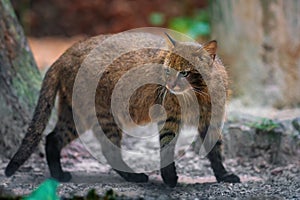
215,158
53,148
168,170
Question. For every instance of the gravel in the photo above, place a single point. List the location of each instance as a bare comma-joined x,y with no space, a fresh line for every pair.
260,178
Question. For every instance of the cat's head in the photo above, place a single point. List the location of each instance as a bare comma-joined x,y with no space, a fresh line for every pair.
186,64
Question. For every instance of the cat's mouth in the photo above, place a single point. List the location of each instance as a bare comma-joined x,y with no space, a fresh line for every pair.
177,90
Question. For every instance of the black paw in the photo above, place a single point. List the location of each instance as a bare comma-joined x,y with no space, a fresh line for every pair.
63,176
169,175
229,178
134,177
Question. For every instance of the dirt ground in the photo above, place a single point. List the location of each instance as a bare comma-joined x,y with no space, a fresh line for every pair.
260,180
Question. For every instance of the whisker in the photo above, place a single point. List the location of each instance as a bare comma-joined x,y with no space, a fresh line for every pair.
203,94
160,90
164,94
198,87
184,98
190,96
161,94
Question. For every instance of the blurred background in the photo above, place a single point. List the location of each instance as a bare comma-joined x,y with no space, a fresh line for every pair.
259,40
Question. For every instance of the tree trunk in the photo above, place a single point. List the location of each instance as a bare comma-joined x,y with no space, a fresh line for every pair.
19,81
259,41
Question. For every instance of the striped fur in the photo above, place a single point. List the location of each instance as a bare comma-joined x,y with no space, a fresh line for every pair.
186,66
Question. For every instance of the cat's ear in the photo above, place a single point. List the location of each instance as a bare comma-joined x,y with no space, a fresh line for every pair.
170,41
211,48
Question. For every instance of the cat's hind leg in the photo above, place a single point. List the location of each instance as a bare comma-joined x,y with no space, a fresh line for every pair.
63,134
111,148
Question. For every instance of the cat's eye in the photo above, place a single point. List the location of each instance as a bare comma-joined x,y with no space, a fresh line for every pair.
184,73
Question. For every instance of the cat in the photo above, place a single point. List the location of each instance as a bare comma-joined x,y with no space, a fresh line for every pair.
183,67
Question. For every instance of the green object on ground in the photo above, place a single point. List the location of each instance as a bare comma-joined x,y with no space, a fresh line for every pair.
46,191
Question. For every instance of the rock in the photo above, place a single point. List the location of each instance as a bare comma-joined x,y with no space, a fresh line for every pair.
250,139
296,124
163,197
238,141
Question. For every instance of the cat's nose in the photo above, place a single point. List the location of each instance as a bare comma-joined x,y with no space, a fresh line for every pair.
171,83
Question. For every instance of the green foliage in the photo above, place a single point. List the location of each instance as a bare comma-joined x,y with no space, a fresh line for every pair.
110,195
92,195
194,26
264,125
157,18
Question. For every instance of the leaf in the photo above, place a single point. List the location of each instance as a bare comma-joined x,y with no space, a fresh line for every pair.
46,191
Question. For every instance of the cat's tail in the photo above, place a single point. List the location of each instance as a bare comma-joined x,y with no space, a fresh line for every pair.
39,121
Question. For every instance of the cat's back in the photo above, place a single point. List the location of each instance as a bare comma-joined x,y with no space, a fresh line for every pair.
128,47
82,64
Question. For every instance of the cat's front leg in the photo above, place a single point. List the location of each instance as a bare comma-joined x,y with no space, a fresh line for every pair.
168,137
168,169
221,174
213,146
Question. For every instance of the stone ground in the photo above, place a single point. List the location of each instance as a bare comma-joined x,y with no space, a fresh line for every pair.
261,179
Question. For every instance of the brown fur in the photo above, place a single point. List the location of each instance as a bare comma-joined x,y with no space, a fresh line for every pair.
187,58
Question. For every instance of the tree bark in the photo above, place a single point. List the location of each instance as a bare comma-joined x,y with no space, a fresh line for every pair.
19,81
260,43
